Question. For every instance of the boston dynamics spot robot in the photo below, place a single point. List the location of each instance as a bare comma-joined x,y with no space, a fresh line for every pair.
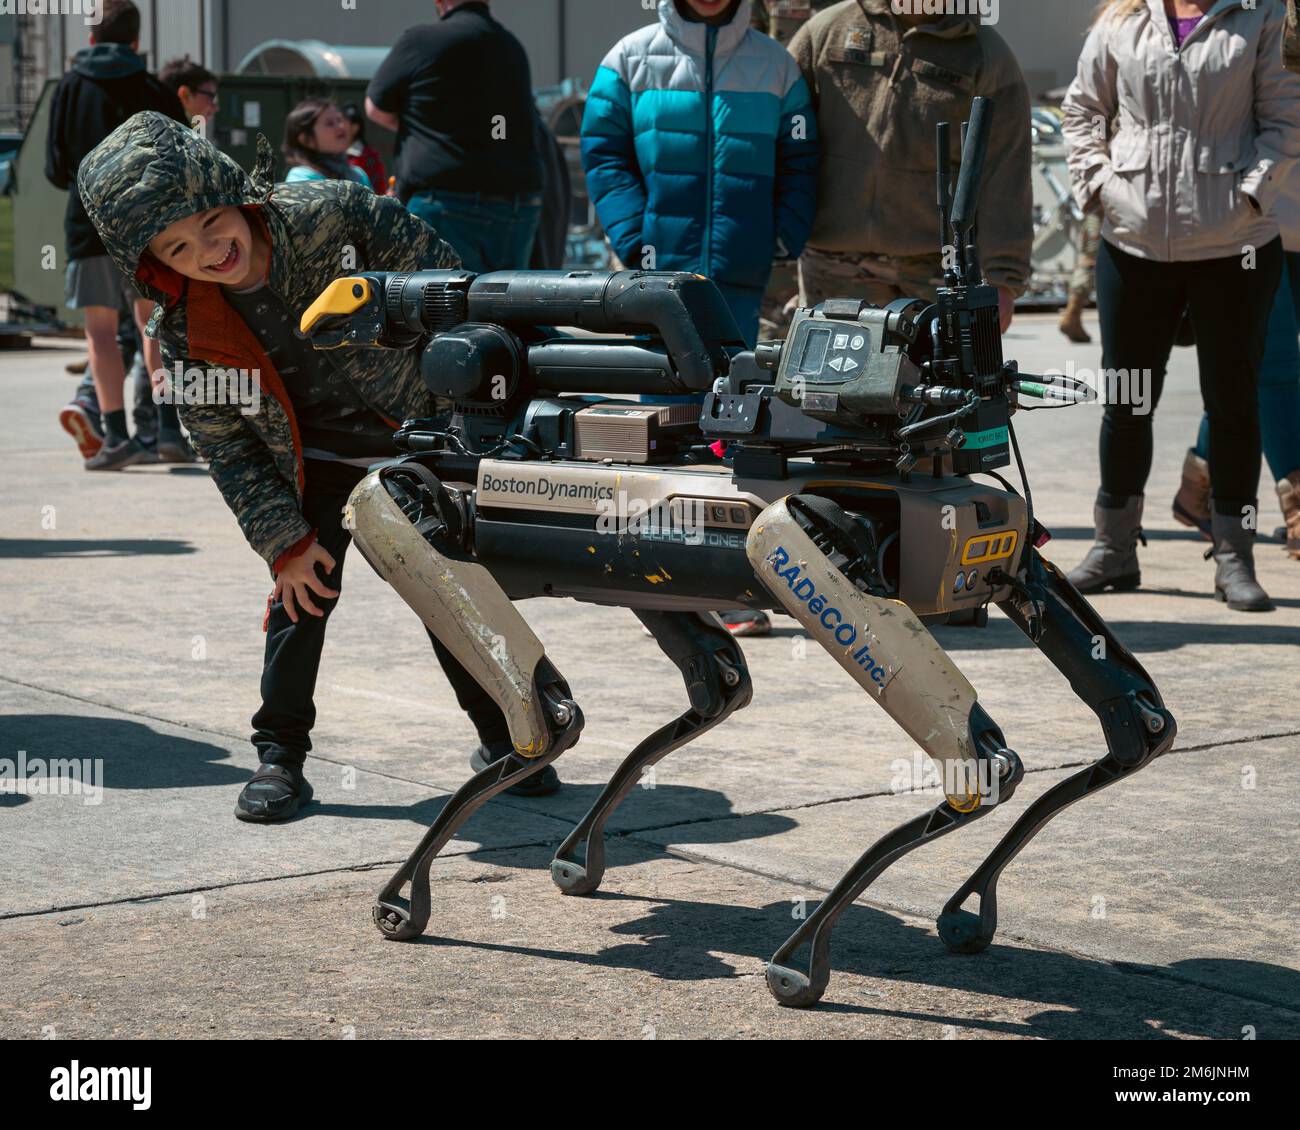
831,476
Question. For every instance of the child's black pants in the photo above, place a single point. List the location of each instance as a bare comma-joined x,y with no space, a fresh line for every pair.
282,727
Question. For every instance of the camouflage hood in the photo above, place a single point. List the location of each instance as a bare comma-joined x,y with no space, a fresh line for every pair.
152,171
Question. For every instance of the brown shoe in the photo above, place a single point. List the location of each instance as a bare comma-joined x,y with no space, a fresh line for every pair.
1192,502
1072,320
1288,494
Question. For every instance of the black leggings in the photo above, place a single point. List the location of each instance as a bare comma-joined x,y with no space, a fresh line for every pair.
1140,303
282,727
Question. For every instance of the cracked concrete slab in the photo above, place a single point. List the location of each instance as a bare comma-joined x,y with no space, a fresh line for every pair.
672,949
1179,867
164,819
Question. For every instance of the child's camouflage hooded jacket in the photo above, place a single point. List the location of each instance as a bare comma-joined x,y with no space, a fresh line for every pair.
152,171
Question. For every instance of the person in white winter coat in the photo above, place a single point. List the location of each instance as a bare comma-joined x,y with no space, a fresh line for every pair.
1206,129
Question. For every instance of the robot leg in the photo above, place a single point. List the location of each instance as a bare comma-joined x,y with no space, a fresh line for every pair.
717,682
798,553
409,528
1102,672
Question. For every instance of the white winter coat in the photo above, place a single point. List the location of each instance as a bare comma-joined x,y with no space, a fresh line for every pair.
1204,135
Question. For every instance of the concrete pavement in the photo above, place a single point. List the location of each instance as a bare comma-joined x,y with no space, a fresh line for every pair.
131,615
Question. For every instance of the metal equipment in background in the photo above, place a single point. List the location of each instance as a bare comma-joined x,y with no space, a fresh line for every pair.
1058,220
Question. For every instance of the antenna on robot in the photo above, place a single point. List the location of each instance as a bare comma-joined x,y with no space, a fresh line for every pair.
943,179
975,135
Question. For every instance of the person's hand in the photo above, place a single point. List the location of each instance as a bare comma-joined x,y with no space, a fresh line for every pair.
295,583
1006,307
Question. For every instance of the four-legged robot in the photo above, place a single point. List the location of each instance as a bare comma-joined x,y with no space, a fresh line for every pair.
846,497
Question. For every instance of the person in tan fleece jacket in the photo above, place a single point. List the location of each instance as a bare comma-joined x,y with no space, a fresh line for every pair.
880,83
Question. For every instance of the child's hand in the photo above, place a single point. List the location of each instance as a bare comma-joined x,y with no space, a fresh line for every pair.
297,581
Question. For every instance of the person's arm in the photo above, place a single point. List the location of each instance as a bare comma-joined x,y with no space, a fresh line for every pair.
1004,219
245,473
1089,108
386,93
1277,120
382,117
614,180
796,168
388,237
57,168
263,503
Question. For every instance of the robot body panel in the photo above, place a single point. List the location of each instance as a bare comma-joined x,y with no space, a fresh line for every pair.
673,537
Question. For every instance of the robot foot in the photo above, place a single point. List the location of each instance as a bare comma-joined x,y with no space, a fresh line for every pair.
718,684
1136,725
965,932
402,911
796,988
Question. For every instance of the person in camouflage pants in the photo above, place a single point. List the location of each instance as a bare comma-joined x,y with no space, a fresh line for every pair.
1082,278
231,263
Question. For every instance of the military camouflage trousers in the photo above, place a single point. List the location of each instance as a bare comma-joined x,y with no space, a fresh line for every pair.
877,279
1083,279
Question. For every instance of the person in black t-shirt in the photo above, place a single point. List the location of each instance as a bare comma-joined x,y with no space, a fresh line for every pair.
459,95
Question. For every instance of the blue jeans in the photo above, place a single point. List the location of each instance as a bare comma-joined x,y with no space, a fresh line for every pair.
488,233
1279,379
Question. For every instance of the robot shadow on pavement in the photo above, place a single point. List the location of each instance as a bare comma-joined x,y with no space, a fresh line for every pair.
844,495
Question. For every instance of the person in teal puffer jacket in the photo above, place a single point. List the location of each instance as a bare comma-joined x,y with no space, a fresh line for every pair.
700,147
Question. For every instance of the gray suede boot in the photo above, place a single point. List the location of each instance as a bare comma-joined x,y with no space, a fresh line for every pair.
1234,565
1112,562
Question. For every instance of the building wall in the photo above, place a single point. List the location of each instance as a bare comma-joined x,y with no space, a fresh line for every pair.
565,38
8,76
1047,36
